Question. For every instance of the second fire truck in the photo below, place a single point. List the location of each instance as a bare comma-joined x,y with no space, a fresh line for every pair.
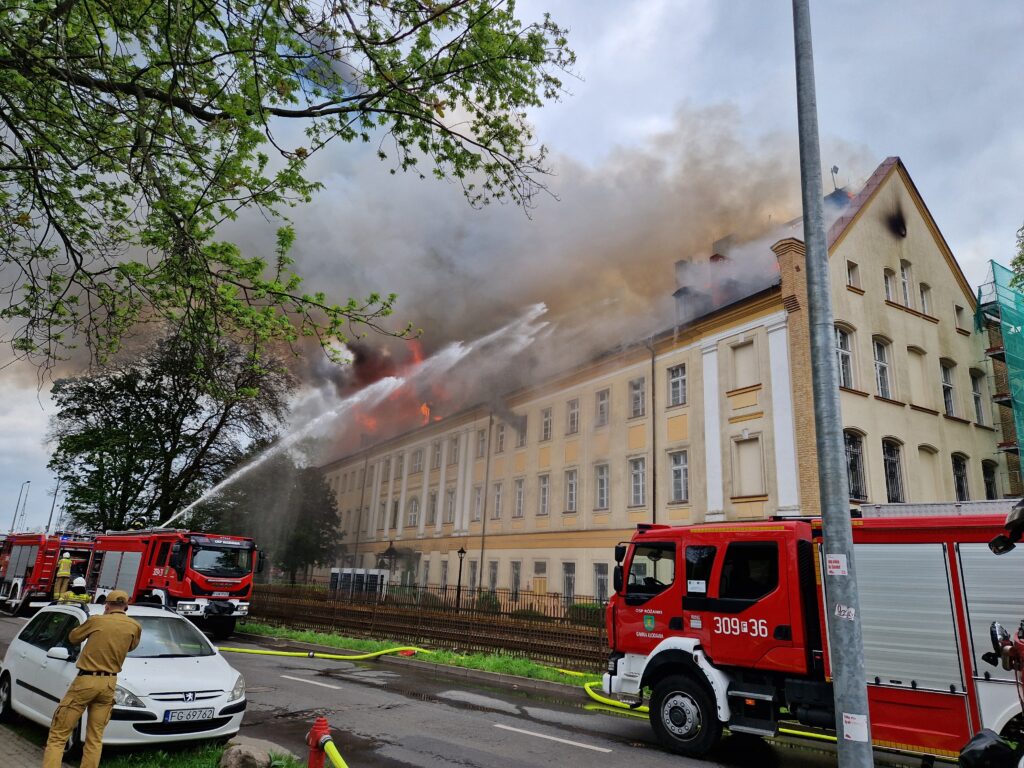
724,625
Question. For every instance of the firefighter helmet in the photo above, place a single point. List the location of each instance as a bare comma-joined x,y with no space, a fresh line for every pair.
78,582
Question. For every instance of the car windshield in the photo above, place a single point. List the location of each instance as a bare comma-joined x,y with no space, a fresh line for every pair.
231,562
169,637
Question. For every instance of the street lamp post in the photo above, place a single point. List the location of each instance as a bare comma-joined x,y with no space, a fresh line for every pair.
458,588
17,505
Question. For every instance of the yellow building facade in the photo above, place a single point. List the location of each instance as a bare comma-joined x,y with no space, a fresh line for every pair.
711,420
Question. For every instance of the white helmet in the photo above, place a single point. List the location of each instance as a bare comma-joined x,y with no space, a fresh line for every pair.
78,582
67,554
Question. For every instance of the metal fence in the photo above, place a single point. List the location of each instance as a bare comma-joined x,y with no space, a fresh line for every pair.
542,626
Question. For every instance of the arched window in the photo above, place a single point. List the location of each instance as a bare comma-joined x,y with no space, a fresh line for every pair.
889,279
892,463
906,284
855,464
925,292
844,356
883,358
413,512
978,395
948,370
960,477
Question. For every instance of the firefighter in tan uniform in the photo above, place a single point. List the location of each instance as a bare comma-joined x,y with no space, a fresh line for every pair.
60,583
111,636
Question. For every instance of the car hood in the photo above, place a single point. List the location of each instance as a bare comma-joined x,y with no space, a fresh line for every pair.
198,673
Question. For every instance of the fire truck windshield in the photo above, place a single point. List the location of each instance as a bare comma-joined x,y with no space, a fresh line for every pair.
231,563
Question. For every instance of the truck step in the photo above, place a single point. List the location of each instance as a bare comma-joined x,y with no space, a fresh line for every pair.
752,691
752,726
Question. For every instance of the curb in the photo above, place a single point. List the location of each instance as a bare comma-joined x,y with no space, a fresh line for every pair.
440,670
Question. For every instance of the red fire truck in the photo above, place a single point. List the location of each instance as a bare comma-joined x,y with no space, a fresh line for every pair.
725,624
31,563
205,577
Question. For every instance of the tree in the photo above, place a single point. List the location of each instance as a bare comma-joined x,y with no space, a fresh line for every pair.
130,131
289,510
136,442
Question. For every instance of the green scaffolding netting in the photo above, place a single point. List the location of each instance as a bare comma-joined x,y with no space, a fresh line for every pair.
1000,292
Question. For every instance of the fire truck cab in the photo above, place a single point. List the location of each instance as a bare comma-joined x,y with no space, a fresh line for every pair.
725,625
30,565
206,577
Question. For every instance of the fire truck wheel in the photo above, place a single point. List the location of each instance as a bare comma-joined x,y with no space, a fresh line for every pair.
221,627
6,713
684,716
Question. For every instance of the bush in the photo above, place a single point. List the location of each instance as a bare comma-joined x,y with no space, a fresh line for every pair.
488,603
431,600
530,614
591,614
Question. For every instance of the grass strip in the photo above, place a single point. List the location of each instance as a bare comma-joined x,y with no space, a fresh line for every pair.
502,663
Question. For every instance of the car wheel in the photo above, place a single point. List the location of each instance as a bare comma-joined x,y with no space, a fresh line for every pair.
6,711
684,717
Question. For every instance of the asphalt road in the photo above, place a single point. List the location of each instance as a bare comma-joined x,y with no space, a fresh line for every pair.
388,716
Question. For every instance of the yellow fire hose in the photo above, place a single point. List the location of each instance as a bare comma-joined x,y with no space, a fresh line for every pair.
332,752
333,656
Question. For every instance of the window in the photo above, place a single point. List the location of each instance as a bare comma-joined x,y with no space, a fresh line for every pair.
568,583
977,382
453,450
750,570
988,473
515,579
382,516
925,292
478,503
637,398
543,493
481,443
855,464
677,385
889,279
893,472
444,574
652,569
520,493
492,575
601,486
960,477
637,482
958,314
844,356
906,286
748,468
413,512
394,513
601,402
572,416
744,365
496,512
432,508
499,438
449,506
47,630
545,424
570,490
426,572
521,432
699,562
680,475
472,575
852,274
883,385
435,456
386,473
399,464
601,582
948,391
417,461
540,569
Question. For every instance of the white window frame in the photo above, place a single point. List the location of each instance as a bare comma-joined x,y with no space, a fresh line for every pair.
498,490
519,487
679,474
906,284
844,356
413,513
481,443
543,495
947,372
499,438
449,506
478,503
883,379
416,465
602,479
638,397
677,385
602,407
979,398
521,431
572,490
638,481
546,422
572,416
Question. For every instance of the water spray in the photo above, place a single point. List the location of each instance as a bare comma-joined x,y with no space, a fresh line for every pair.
511,338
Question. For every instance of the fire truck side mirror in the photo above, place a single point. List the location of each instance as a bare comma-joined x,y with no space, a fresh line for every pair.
620,553
617,578
1001,544
177,561
261,558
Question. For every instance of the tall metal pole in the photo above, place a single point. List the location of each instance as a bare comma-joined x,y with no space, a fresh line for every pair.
17,506
53,504
24,502
844,628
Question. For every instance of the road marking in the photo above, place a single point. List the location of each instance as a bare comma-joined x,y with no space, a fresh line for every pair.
311,682
550,738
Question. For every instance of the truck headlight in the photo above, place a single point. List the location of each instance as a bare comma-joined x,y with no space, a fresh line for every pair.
243,609
239,690
125,698
188,607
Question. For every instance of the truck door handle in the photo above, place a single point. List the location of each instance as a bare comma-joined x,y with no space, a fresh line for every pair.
783,632
676,622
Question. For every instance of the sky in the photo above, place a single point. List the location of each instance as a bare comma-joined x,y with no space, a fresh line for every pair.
680,127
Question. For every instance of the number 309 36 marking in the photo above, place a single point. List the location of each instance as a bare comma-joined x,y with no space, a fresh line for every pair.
725,625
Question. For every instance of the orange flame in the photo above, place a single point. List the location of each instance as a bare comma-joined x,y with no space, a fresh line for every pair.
425,410
417,351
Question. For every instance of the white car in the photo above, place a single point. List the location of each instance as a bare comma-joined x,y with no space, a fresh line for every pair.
174,687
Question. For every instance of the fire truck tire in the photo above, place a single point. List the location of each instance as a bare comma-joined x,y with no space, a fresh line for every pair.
6,711
684,716
221,627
